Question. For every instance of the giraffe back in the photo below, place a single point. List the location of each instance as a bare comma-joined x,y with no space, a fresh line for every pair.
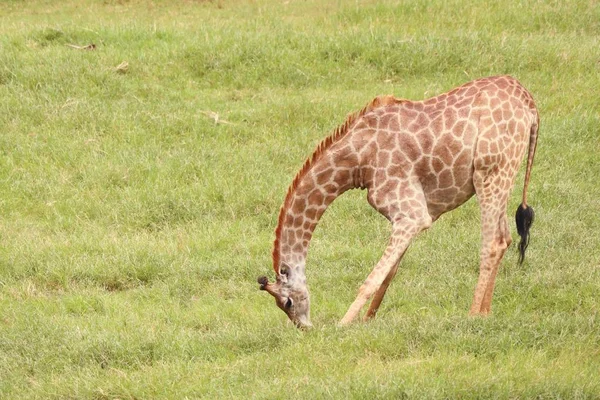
435,144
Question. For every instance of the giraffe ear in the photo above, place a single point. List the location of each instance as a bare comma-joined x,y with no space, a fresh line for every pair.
284,273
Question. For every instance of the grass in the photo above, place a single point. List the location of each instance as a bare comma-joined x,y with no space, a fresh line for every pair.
133,227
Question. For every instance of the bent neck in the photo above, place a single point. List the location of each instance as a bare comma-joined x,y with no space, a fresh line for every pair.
309,196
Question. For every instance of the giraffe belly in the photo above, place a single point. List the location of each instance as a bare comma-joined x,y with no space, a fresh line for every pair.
442,201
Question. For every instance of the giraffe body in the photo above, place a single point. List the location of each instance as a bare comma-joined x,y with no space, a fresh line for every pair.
417,160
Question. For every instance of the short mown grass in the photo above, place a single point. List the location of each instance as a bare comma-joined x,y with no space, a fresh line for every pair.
137,205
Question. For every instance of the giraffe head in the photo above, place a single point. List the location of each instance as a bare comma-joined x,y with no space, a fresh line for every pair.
291,295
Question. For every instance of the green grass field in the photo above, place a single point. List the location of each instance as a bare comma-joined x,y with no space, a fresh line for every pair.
133,227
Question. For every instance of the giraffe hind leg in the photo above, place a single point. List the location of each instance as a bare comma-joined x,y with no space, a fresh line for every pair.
495,235
486,305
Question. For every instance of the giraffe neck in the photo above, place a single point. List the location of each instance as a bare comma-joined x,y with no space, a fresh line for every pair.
332,169
308,198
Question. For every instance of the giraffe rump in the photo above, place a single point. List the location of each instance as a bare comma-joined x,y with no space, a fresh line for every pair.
337,134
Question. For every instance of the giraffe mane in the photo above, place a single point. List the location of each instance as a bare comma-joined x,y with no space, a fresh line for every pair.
336,136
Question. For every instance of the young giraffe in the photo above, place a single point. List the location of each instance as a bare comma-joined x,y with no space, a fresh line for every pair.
418,160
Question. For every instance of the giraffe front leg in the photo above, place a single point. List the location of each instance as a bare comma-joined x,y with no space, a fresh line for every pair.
378,297
401,237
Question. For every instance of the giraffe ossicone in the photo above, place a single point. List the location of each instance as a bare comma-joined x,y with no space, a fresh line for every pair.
417,160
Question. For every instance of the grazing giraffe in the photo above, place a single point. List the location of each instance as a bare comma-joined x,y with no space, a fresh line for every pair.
418,160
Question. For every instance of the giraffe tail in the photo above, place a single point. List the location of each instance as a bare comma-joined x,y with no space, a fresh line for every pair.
525,215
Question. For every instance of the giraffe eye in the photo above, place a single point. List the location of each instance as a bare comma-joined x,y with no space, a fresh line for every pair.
288,303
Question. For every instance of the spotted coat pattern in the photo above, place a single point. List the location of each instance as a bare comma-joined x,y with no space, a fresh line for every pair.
417,160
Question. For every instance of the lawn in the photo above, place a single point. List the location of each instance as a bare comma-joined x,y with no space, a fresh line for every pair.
140,183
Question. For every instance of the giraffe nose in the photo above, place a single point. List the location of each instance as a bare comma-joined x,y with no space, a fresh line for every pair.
303,323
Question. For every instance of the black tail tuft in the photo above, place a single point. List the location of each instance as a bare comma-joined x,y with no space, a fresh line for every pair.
524,218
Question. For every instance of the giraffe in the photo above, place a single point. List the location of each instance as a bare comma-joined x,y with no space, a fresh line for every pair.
417,160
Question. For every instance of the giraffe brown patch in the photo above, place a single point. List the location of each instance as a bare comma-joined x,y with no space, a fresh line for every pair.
422,167
494,147
297,248
426,141
289,218
394,123
380,176
463,112
502,83
462,175
421,122
324,176
367,173
445,155
459,128
303,189
443,195
311,213
385,140
431,101
503,96
360,125
489,160
298,205
298,221
465,104
384,157
469,135
347,161
450,118
386,120
455,146
437,164
446,179
415,204
497,115
464,158
437,124
494,102
399,158
342,177
331,188
409,146
369,151
406,207
315,197
407,115
510,152
472,91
